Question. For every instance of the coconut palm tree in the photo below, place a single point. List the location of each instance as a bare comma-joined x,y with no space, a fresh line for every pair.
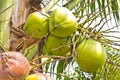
96,18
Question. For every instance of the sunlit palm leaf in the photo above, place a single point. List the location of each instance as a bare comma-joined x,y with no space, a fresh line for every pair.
5,13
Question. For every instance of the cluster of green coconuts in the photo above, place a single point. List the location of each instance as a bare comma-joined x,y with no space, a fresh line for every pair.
59,27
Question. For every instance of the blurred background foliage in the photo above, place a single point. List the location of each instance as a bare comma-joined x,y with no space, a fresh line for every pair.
101,15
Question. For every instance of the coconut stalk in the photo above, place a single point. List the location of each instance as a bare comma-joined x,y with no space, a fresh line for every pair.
5,13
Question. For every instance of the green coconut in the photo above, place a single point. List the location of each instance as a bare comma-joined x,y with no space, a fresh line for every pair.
62,22
38,76
54,45
36,25
90,55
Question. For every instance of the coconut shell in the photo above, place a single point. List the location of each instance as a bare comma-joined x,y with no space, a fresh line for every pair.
13,66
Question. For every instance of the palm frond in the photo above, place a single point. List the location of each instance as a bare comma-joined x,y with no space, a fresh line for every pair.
5,13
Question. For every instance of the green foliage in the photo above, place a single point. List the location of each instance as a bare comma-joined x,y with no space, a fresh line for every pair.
5,13
30,51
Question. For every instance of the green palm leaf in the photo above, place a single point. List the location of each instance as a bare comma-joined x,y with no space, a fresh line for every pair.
5,13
